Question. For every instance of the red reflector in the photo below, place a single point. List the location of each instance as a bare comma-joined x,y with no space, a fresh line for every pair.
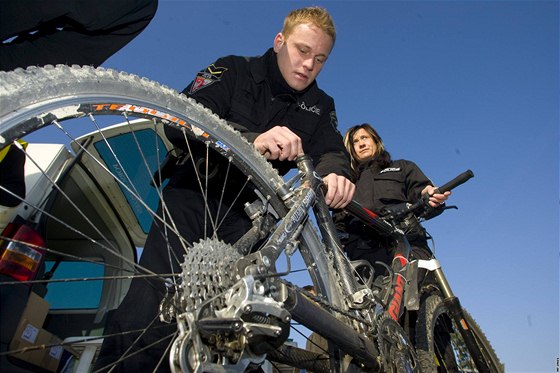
17,259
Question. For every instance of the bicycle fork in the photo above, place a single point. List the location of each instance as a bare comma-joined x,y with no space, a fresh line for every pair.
456,311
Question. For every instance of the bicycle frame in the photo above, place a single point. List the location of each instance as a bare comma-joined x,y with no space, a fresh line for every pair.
302,308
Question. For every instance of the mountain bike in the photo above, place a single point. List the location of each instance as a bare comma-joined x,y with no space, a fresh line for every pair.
232,306
445,336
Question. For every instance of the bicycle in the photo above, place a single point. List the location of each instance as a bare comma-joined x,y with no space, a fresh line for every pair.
446,337
232,304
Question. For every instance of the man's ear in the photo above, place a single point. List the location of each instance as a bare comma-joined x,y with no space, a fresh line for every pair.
278,42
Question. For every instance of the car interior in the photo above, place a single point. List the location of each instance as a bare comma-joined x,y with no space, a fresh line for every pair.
92,227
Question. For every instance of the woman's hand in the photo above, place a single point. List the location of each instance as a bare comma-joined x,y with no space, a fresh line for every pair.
435,199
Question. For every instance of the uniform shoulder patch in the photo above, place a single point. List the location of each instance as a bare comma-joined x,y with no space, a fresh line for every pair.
205,78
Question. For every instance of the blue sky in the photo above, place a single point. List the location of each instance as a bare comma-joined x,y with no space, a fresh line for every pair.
452,85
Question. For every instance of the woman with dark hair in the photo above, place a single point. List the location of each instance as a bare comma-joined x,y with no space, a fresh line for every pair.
381,183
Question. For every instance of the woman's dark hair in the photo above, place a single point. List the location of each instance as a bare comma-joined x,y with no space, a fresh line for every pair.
382,157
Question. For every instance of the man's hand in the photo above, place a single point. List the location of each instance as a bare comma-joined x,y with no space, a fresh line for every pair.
437,198
279,143
340,191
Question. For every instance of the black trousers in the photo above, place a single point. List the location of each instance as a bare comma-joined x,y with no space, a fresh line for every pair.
141,305
81,32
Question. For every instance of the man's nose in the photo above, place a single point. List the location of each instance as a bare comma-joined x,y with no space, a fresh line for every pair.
309,64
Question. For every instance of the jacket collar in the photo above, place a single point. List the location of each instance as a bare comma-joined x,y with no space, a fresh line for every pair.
371,164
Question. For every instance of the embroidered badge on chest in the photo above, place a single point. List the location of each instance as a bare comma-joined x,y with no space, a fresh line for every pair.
312,109
390,169
205,78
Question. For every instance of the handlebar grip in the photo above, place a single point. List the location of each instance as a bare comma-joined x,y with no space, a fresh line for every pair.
460,179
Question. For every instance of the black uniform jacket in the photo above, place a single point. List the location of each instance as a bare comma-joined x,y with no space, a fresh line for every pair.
402,181
251,94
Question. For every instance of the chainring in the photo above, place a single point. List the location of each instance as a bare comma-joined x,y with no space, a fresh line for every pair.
396,352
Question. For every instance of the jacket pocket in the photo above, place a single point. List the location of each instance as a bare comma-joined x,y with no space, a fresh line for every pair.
390,187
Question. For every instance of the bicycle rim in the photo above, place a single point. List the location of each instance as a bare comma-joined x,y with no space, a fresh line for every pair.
73,101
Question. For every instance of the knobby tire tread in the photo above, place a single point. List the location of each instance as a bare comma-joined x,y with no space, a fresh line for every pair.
431,308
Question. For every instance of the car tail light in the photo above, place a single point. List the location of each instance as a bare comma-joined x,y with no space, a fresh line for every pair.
21,252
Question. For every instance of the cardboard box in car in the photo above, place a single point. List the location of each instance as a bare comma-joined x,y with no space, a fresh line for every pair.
36,310
44,352
30,335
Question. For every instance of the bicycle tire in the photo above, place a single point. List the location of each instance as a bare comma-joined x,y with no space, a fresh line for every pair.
34,98
439,344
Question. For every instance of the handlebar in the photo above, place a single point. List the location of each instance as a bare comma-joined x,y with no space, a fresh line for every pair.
381,224
458,180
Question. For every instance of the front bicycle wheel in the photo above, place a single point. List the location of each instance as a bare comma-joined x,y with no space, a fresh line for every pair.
439,344
95,196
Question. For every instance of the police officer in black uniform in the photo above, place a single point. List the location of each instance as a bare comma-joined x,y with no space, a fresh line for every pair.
274,101
252,95
383,183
